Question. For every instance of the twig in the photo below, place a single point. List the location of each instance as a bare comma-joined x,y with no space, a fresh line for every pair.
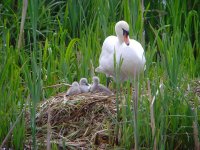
56,85
49,130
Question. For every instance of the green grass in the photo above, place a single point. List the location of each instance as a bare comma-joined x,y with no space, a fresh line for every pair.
62,43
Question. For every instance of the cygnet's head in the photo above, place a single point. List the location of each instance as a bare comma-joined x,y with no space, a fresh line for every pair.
122,31
95,80
83,81
75,84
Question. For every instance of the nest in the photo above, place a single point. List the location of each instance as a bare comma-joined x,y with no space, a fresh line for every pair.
81,121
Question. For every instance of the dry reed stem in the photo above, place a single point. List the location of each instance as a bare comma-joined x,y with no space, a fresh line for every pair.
49,130
196,139
25,5
135,100
57,85
152,114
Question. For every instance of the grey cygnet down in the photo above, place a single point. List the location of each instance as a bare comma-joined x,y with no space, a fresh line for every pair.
84,86
97,87
74,89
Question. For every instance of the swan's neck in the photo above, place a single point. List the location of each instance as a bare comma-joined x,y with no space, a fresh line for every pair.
95,84
121,39
120,28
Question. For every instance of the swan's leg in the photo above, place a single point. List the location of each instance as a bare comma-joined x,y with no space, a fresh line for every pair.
108,81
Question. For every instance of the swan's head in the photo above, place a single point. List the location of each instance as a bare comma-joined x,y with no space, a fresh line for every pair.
83,81
122,31
95,80
75,84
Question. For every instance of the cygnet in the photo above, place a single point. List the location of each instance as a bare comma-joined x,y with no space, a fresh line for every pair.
97,87
74,89
84,86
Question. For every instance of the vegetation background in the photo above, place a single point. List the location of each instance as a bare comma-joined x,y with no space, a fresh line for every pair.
62,42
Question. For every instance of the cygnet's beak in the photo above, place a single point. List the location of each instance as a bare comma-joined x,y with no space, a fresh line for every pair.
126,38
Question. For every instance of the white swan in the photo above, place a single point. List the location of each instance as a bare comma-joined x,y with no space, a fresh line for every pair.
129,50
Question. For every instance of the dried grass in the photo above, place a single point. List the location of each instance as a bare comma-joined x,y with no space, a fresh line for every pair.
76,122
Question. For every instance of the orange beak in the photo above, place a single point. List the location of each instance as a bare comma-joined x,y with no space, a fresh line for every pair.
126,39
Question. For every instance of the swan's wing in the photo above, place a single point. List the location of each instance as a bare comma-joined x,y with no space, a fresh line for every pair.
73,91
106,57
84,88
103,89
133,59
139,52
137,47
108,46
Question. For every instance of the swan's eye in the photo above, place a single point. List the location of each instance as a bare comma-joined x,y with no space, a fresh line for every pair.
125,32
